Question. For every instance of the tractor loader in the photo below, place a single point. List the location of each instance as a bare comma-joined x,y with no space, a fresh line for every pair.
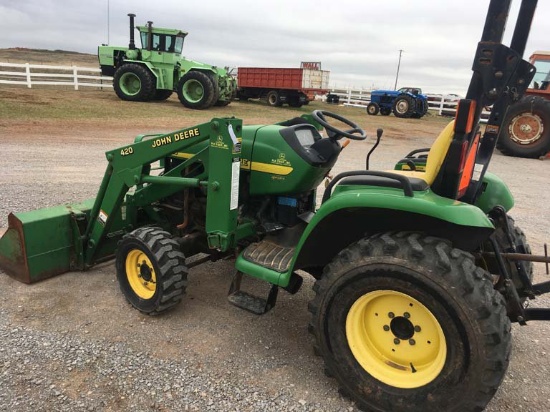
419,271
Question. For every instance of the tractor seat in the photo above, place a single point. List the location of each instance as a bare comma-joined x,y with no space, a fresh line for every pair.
436,157
408,180
381,181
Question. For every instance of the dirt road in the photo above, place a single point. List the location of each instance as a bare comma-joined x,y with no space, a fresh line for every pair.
72,342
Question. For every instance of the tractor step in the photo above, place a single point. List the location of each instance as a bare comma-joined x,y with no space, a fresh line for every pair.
249,302
269,255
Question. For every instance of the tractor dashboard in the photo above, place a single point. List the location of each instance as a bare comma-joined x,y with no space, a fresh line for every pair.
306,141
305,136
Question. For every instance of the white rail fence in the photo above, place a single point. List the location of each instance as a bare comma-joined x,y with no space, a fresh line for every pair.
74,76
39,74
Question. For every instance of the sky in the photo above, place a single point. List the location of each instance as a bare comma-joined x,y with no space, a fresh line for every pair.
357,41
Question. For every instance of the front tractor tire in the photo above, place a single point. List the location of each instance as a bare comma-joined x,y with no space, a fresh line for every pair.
133,82
373,109
403,106
526,129
151,270
196,91
405,322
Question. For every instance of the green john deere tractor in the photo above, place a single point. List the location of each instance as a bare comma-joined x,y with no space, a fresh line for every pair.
419,270
158,68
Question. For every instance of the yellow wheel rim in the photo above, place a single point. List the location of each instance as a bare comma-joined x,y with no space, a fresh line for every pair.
141,274
396,339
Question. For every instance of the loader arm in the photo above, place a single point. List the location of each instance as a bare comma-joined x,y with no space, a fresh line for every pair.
51,241
131,166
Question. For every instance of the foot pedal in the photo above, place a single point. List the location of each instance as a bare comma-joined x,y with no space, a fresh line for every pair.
248,302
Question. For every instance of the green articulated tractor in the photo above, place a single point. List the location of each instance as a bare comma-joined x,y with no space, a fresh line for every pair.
419,271
158,68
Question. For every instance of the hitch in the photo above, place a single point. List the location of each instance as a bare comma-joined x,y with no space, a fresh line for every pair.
512,260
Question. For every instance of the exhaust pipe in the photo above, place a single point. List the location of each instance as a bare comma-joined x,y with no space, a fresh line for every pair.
132,45
149,35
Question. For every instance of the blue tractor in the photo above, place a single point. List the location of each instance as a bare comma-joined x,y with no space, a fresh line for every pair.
405,102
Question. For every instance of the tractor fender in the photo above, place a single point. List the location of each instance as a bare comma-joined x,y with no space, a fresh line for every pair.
152,69
186,66
353,213
209,72
495,193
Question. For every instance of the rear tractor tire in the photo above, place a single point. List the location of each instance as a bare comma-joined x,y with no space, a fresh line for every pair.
405,322
385,111
403,106
526,129
133,82
425,108
151,270
196,91
420,112
521,245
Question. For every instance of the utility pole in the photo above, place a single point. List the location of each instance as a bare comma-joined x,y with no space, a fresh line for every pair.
398,64
108,23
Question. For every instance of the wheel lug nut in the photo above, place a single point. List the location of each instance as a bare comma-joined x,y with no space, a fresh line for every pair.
396,341
386,328
406,315
391,315
417,328
412,342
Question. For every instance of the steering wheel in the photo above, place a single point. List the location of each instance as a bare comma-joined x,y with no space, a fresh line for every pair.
355,133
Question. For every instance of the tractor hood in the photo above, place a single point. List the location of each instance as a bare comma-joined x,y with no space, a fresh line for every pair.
288,158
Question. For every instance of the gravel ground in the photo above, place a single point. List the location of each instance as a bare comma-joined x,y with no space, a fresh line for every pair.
71,343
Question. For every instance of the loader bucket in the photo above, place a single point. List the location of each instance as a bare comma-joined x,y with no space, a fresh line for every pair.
44,243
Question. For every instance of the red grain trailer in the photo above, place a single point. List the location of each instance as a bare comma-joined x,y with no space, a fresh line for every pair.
278,86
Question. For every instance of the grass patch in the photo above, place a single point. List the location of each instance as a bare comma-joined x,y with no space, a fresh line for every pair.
63,104
62,108
20,103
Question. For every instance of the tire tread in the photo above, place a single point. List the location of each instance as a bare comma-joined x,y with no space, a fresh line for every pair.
472,284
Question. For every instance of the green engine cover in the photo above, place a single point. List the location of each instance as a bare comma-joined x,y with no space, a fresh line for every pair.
275,167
